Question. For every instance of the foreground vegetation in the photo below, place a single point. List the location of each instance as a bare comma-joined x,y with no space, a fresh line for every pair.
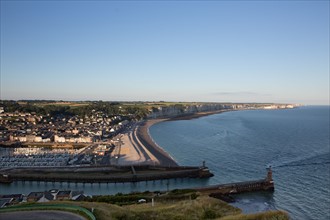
133,198
202,207
183,204
177,204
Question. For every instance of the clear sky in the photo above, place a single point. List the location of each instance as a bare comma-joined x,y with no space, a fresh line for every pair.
221,51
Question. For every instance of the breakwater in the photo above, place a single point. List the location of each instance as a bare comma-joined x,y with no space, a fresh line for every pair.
266,184
106,174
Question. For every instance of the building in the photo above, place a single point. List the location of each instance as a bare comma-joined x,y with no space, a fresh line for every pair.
5,202
16,198
59,139
40,197
64,195
78,196
54,192
47,196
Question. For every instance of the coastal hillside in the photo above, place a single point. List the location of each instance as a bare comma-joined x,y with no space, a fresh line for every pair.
203,207
193,108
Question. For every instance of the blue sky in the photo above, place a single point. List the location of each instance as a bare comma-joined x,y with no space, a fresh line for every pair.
219,51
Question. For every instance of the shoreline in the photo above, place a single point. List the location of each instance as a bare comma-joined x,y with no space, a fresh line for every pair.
142,133
163,157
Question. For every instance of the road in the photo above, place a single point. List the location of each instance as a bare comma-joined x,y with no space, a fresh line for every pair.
45,215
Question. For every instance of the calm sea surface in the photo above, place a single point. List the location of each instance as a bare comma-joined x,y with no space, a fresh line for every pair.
238,146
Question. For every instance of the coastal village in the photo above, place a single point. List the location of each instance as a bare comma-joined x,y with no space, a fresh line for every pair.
30,127
96,137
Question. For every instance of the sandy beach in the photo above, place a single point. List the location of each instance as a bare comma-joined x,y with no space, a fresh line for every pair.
131,151
143,135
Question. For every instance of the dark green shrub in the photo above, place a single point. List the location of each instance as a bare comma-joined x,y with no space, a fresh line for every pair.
209,214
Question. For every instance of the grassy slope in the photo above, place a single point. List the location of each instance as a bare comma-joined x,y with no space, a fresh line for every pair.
203,207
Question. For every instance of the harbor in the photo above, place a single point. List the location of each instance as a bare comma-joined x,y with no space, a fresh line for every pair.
132,156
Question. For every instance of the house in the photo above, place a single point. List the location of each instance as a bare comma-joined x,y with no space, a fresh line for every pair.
5,202
47,196
54,192
34,196
40,197
16,198
46,140
22,138
64,195
30,138
60,139
38,139
78,196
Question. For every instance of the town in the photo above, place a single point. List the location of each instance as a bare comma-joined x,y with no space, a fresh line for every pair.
33,128
54,134
96,124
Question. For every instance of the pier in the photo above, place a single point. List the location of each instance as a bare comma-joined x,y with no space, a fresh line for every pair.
266,184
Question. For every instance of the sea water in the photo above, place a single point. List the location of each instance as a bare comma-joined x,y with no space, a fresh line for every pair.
238,146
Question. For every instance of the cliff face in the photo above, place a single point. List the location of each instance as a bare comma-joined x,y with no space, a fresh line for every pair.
180,109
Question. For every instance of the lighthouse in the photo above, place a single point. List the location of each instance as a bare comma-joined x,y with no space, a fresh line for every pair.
269,177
